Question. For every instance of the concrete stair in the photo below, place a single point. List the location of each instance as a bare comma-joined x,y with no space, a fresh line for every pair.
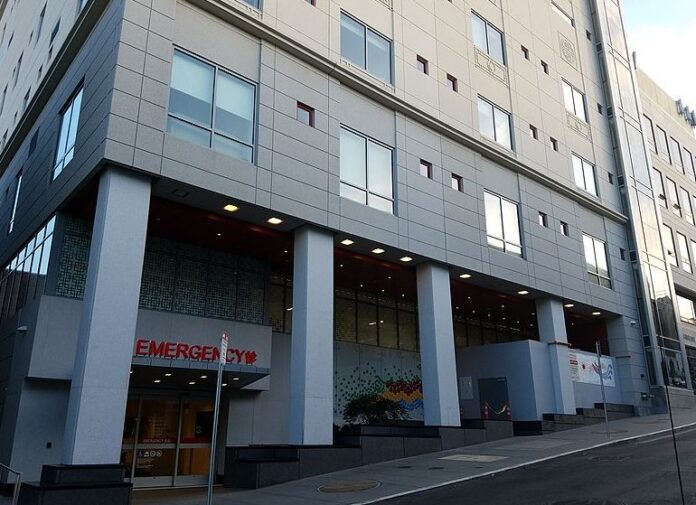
585,417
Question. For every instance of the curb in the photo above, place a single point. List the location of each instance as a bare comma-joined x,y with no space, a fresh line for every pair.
622,441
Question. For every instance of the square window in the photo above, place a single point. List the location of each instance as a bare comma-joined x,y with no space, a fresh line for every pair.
543,220
426,169
452,83
554,143
525,52
457,182
622,253
600,109
533,132
611,177
305,114
545,67
565,229
588,34
422,64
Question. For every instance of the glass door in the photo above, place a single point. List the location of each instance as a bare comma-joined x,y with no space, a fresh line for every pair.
155,451
195,439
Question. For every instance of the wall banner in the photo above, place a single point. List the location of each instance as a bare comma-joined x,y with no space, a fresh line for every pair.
583,368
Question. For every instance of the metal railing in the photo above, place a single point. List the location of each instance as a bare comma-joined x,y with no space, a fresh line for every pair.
5,472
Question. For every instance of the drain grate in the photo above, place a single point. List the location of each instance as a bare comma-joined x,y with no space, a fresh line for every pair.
349,486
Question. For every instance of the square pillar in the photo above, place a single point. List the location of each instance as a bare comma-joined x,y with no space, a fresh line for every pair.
312,345
552,331
99,388
436,334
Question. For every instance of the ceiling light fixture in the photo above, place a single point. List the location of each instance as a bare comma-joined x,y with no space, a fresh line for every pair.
523,292
406,259
347,241
230,208
569,305
157,381
596,313
167,375
465,276
192,383
274,220
378,250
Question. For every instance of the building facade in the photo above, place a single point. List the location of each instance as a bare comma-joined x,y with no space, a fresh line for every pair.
444,203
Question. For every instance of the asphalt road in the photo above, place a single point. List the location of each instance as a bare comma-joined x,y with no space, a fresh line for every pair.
642,472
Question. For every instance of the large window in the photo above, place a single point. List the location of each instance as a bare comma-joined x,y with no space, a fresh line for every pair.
689,166
24,277
675,150
211,107
596,261
584,173
574,101
365,48
366,171
686,310
15,201
686,206
662,146
494,123
669,245
659,187
488,38
673,196
684,255
70,119
502,224
649,133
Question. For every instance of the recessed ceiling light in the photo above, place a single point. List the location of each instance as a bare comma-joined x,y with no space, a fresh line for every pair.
192,383
274,220
204,376
347,241
230,208
569,305
465,276
157,381
406,259
378,250
523,292
596,313
235,378
219,234
131,371
167,375
224,384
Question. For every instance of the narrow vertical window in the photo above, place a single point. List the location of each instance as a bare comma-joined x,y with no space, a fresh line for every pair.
422,64
305,114
596,261
457,183
659,187
426,169
673,197
67,134
15,201
684,255
649,133
669,245
452,83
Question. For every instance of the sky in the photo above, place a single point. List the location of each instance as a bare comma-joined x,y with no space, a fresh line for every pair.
663,33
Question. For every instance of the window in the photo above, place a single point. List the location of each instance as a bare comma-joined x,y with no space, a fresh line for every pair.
15,72
533,132
67,134
675,152
366,48
554,143
686,310
545,67
622,253
211,107
649,133
584,173
254,3
686,206
563,14
25,101
421,64
55,31
366,171
33,142
600,109
457,182
574,101
543,220
488,38
693,248
588,34
565,229
662,147
669,245
15,201
659,187
305,114
673,196
494,123
452,83
689,166
2,100
502,224
610,176
684,252
426,169
42,16
525,53
596,261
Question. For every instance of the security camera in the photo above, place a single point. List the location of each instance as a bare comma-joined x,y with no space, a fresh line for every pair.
22,329
634,322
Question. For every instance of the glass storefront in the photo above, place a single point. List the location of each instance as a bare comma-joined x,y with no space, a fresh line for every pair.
167,440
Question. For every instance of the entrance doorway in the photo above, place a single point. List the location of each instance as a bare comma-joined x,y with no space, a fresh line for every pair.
167,440
495,403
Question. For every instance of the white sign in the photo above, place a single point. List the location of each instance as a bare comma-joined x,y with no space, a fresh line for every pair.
583,368
223,349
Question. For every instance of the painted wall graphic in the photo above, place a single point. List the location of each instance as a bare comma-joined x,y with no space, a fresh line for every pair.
584,368
394,374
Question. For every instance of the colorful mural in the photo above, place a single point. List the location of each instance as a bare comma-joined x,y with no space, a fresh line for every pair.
393,374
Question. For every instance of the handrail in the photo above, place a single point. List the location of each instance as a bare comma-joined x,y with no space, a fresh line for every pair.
17,483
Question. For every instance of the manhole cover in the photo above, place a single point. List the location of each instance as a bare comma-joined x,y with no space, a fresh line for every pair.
349,487
610,459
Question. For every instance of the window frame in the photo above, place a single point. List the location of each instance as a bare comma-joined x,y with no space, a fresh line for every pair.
670,253
685,204
367,28
508,246
574,92
663,147
211,129
684,253
494,107
661,194
457,182
584,165
675,147
648,124
594,275
487,49
310,114
59,164
673,194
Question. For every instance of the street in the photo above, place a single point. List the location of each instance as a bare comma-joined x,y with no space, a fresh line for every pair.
637,473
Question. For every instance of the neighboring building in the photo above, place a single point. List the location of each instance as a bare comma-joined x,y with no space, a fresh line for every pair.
420,200
669,127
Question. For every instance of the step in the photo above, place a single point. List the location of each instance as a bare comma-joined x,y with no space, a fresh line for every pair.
564,418
616,407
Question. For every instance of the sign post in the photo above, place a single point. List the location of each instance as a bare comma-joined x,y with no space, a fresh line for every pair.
216,415
601,385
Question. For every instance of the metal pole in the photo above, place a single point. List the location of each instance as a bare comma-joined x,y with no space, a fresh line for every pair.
601,384
216,416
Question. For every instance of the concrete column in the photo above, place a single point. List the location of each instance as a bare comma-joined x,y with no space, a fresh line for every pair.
438,360
552,331
312,346
99,389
